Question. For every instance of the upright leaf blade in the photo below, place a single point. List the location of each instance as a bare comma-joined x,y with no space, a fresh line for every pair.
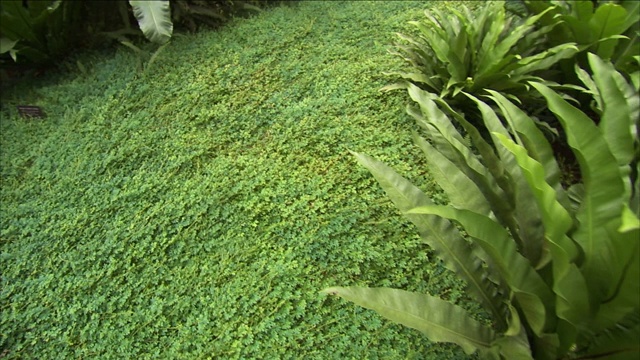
462,192
439,320
456,253
604,192
572,302
608,20
530,290
527,213
616,122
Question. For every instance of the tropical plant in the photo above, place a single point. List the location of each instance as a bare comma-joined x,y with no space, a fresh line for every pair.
558,269
471,51
154,18
608,29
37,31
212,13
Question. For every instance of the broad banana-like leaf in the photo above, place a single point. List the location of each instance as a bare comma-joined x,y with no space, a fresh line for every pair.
502,48
439,320
6,44
485,56
545,59
416,77
495,168
603,199
154,18
529,288
573,295
591,89
437,41
456,253
514,343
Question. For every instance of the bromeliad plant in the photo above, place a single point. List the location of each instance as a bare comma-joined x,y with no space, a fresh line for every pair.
558,269
465,52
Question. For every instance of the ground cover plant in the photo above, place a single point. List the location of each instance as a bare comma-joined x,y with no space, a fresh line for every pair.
557,268
194,209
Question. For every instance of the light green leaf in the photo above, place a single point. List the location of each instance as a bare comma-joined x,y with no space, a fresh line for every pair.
439,320
629,220
545,59
604,192
591,86
620,342
6,44
154,18
625,295
609,19
502,48
555,217
527,213
530,136
530,289
572,302
451,144
456,253
462,192
615,122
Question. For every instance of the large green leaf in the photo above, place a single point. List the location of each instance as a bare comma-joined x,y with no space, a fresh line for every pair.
502,48
530,136
451,144
456,253
615,122
604,193
17,24
461,191
154,18
527,213
545,59
573,295
608,20
620,342
533,295
625,296
439,320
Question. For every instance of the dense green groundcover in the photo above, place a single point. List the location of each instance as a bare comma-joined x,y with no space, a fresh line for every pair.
195,209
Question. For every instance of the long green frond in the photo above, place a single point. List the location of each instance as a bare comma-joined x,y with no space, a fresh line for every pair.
604,192
529,288
439,320
456,253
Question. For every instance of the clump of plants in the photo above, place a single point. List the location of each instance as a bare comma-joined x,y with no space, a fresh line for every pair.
461,51
558,269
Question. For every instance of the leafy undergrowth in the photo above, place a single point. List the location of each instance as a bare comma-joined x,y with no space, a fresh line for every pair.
195,209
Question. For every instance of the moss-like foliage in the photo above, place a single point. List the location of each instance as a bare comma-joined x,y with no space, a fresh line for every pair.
195,209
